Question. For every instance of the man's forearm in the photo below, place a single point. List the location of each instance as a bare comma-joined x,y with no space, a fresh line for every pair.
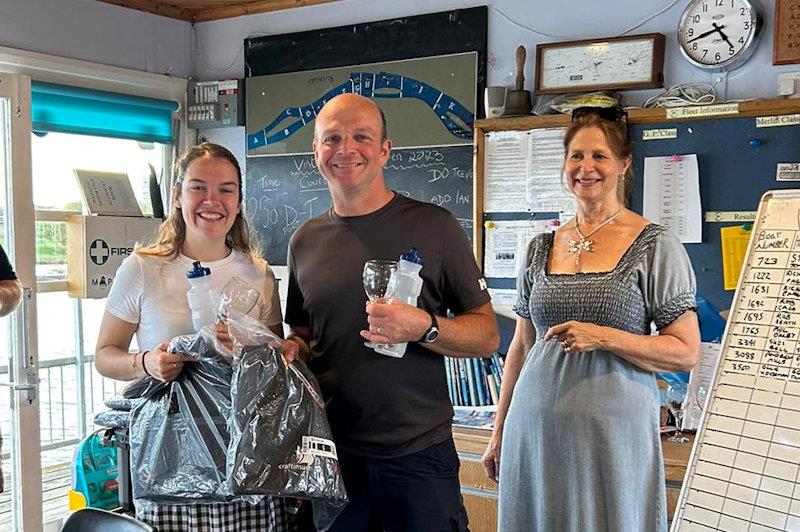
10,295
472,333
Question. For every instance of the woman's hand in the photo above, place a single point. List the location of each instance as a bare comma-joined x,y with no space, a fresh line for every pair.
223,335
491,457
578,336
162,365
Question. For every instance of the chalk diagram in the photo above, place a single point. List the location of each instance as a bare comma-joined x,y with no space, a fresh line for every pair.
453,115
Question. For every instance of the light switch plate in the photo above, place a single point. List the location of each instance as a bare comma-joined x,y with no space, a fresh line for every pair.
789,85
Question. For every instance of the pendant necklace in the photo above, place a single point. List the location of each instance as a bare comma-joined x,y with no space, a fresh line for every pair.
584,244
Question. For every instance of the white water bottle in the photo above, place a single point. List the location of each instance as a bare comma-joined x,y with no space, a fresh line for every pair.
201,297
409,286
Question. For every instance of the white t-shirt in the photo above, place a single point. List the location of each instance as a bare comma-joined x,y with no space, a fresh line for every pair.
151,292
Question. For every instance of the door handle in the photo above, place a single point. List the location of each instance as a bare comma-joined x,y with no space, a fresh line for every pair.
28,362
20,386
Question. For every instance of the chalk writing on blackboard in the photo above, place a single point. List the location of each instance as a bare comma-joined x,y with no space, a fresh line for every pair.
282,192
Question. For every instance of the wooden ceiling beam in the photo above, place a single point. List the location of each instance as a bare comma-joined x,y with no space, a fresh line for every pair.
201,11
251,8
158,8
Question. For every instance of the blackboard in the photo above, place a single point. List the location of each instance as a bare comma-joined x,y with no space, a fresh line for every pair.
283,191
434,34
733,176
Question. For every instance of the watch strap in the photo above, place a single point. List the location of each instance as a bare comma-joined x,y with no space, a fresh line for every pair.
434,325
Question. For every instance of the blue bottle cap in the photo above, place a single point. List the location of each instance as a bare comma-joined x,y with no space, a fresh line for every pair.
198,271
412,255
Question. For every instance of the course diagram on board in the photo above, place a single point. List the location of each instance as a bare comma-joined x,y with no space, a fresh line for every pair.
427,101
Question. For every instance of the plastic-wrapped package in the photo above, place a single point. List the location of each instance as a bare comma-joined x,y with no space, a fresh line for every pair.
112,419
280,438
119,402
179,434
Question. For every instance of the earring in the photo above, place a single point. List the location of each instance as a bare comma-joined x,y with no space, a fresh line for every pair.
621,177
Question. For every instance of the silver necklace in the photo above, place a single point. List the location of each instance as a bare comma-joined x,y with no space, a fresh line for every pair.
584,244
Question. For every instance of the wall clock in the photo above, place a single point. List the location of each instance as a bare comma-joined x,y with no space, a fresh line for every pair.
720,34
630,62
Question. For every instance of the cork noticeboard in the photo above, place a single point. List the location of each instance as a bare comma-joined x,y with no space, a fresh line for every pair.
786,40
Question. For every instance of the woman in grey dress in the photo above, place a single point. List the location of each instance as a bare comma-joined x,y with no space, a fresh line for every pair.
578,413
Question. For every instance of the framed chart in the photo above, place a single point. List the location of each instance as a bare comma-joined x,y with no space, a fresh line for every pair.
744,470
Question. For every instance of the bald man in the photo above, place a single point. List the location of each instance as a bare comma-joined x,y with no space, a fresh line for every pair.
391,417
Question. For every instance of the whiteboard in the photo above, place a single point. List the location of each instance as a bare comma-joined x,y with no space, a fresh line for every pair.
744,467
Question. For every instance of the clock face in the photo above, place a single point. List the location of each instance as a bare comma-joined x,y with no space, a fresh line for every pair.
719,34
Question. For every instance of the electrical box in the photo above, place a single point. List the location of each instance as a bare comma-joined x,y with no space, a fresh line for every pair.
96,246
213,104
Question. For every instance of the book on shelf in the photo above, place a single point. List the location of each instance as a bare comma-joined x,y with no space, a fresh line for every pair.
473,382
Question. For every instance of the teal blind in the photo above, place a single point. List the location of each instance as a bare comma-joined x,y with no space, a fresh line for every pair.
65,109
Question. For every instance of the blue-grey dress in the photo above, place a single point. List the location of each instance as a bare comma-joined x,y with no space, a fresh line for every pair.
581,448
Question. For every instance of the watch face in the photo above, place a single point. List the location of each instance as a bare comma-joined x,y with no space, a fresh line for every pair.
718,34
432,335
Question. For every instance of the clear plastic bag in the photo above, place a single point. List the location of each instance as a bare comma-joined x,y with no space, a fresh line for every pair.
179,434
236,425
281,442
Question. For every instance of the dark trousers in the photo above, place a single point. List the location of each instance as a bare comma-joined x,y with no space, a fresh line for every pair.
415,493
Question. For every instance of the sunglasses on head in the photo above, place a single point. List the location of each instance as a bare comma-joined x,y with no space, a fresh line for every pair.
613,114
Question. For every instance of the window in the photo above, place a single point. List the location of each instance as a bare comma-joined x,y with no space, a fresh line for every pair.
54,158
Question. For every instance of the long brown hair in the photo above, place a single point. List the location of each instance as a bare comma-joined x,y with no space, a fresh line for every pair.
172,232
616,134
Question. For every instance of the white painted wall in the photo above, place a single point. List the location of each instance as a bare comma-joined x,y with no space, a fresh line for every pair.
220,49
101,33
221,53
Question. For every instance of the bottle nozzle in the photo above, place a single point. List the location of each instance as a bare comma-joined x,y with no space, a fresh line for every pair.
197,270
412,255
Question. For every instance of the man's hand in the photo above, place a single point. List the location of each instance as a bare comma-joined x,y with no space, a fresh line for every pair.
291,351
395,323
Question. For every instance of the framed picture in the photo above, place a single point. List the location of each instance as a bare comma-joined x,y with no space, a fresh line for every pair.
786,40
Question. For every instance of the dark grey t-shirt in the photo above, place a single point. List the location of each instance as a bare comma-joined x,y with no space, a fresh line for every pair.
379,406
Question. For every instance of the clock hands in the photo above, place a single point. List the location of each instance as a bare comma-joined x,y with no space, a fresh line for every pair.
725,38
709,32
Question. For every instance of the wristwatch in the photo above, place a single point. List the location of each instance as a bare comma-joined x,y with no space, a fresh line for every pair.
432,333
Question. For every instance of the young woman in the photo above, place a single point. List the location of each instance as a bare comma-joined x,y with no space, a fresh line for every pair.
578,412
148,298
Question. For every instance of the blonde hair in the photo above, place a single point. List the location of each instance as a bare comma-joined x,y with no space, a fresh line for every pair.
172,232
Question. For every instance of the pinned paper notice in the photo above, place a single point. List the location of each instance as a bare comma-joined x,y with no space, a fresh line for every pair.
734,247
672,195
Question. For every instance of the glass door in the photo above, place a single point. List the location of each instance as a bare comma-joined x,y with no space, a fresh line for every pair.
21,503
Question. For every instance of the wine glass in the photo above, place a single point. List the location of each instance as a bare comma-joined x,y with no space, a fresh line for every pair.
380,284
237,296
676,397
